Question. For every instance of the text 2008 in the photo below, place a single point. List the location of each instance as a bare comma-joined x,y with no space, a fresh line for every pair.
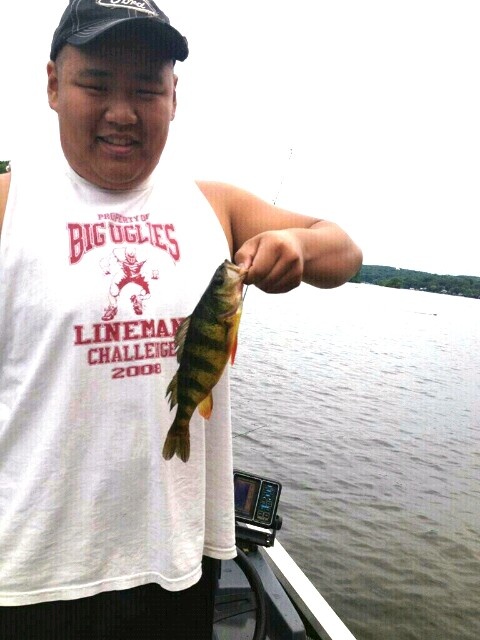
136,370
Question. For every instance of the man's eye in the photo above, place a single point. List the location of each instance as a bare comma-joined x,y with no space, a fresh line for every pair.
95,88
148,92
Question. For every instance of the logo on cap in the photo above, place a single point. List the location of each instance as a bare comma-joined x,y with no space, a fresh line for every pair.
137,5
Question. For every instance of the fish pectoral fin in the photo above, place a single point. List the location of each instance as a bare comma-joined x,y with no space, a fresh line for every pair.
205,407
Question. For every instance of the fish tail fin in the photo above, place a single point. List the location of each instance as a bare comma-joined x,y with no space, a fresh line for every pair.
177,442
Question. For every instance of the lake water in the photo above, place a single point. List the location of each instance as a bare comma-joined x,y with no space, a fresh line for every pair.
365,403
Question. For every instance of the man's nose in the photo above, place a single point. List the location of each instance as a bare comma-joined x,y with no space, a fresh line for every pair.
121,111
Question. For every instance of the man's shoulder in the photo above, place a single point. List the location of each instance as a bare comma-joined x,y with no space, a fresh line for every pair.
5,181
222,195
210,187
4,189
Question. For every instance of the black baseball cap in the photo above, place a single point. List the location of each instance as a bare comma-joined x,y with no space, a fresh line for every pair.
85,20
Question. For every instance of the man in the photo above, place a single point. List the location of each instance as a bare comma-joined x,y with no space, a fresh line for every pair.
100,537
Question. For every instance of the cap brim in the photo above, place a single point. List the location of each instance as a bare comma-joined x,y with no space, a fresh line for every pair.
170,40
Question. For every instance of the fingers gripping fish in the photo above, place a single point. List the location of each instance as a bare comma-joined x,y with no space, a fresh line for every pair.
204,343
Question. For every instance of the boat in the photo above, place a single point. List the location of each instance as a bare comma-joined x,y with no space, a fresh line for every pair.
263,594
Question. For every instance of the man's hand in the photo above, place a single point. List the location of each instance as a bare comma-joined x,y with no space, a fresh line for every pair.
274,260
281,248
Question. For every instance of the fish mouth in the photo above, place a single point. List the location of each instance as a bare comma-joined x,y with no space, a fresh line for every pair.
237,272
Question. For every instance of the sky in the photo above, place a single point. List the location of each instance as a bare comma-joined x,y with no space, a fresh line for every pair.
364,112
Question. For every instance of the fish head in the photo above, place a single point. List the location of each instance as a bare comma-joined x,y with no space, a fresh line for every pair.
226,287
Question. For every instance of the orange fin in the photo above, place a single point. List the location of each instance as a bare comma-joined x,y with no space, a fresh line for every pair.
233,351
205,407
233,337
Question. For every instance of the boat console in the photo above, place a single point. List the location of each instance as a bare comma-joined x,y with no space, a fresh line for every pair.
250,603
256,504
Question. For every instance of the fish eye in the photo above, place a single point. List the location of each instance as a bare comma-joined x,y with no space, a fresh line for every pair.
218,279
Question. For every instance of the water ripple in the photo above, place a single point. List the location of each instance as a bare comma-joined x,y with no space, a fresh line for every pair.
372,423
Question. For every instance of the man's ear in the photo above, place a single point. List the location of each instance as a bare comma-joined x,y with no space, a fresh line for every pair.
174,107
52,85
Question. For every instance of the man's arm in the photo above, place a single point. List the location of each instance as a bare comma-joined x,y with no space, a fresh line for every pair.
4,187
281,248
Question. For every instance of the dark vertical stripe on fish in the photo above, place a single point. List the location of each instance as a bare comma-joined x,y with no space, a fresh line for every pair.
198,362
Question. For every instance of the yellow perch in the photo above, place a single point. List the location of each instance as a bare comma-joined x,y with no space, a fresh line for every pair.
204,343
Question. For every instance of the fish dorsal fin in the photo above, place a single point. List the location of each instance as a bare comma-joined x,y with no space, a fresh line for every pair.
172,391
206,406
180,337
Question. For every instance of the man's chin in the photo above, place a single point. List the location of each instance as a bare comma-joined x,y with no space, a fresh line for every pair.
117,179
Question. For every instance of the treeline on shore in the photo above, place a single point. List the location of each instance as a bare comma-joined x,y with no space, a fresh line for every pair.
467,286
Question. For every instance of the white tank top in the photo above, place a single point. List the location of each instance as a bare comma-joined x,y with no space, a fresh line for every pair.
93,285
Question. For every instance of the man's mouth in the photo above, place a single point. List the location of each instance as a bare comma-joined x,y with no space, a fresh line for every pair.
118,141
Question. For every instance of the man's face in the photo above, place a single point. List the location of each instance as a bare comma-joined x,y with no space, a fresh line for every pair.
114,104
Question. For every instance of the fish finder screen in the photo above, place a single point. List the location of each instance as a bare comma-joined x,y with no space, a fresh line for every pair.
246,492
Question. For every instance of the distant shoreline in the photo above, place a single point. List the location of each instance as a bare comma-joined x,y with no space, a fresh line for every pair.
383,276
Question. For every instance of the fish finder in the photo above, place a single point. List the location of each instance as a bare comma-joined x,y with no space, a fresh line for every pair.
256,502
